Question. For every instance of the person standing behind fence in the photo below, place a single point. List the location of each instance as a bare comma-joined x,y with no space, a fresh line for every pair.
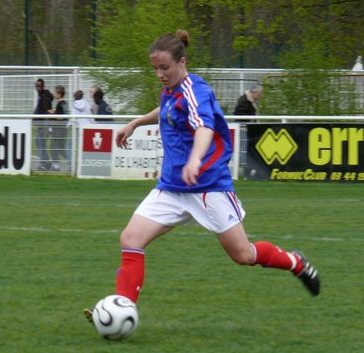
81,107
248,103
94,89
59,129
103,108
44,104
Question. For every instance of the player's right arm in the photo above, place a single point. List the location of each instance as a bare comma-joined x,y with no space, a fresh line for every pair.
148,119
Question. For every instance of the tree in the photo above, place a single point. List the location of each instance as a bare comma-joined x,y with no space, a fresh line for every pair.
12,32
308,34
126,30
58,31
311,39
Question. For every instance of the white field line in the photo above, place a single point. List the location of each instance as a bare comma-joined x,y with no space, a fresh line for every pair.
63,230
181,233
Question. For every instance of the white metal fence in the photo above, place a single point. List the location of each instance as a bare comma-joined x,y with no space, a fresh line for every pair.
17,90
18,95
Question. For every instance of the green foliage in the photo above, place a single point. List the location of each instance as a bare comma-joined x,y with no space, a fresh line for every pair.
299,31
126,32
309,92
311,86
311,36
60,248
226,33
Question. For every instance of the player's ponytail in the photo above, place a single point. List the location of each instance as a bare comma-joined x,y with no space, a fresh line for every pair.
175,44
183,36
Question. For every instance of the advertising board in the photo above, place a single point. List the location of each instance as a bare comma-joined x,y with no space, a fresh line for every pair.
307,152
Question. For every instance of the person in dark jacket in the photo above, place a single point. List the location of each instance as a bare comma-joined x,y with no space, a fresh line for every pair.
102,107
248,102
44,104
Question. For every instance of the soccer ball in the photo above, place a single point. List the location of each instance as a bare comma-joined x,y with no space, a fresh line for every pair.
115,317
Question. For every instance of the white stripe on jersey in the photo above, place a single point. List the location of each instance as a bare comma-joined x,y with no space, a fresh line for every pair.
193,117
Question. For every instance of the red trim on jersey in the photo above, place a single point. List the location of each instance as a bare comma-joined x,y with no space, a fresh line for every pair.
219,143
204,194
179,97
234,201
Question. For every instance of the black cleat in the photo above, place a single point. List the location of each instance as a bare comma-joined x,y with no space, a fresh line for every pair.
88,315
308,275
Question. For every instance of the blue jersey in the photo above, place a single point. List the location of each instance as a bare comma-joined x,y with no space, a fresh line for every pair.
183,109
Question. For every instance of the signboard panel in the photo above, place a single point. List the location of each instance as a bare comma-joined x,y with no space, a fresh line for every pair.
307,152
142,159
15,146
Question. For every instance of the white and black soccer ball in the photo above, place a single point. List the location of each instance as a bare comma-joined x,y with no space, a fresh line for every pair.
115,317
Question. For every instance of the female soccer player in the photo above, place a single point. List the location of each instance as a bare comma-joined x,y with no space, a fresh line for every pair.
195,180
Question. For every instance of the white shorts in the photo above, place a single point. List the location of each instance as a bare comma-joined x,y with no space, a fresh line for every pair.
215,211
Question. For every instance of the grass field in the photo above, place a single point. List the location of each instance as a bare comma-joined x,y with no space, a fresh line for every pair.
60,249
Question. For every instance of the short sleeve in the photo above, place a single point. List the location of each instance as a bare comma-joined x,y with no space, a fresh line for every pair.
199,98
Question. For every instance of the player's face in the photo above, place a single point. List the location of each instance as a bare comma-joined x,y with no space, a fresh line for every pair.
39,86
168,71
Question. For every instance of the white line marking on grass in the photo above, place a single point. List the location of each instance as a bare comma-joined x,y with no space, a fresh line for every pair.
325,239
316,238
198,233
64,230
254,236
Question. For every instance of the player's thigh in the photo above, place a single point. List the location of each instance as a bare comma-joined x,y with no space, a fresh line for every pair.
236,244
164,207
216,211
140,231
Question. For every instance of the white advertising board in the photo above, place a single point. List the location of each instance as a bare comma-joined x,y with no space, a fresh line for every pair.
99,157
15,146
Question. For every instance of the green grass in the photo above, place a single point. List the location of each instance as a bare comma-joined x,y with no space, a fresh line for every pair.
60,250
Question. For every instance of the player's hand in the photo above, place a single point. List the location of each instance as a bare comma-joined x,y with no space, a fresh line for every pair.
123,134
190,171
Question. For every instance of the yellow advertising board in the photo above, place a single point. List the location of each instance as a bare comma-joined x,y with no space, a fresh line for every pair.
307,152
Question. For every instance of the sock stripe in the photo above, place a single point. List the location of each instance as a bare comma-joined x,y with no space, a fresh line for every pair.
133,250
252,246
293,259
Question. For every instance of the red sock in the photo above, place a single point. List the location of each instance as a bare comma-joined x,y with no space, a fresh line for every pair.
130,275
269,255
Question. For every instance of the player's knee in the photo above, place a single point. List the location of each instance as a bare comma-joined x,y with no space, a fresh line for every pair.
127,239
243,257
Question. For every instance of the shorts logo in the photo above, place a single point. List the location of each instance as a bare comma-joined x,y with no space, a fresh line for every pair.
280,147
232,218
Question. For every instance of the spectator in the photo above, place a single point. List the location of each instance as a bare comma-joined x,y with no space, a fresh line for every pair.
81,107
102,107
59,129
248,102
44,104
93,89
